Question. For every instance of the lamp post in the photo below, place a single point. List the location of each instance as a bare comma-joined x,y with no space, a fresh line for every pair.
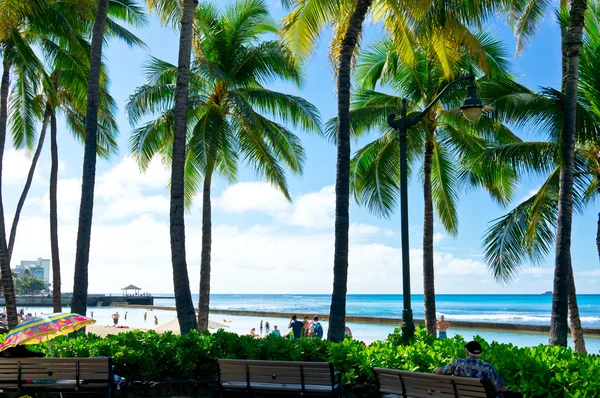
472,109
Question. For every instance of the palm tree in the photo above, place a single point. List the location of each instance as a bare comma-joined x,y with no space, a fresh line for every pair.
433,19
17,18
526,17
232,117
127,10
528,231
170,11
439,141
64,86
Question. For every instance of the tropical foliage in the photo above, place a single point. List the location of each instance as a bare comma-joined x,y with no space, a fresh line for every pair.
534,371
233,117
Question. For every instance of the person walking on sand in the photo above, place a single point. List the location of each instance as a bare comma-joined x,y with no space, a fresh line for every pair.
145,315
472,366
296,327
125,315
443,325
155,320
115,318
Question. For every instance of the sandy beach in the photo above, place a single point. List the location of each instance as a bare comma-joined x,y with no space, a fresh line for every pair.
170,326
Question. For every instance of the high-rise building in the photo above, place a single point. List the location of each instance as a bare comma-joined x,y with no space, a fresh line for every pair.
39,268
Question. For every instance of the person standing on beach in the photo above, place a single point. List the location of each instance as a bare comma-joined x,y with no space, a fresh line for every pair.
145,315
276,331
115,318
155,320
305,327
316,330
125,315
267,327
296,326
261,326
472,366
442,326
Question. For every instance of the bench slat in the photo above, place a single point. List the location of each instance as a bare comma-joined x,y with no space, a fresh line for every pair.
425,385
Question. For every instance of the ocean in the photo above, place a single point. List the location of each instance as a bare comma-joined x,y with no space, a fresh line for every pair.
522,309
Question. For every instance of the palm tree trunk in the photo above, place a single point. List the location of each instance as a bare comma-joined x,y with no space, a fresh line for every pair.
598,236
559,326
204,302
56,288
181,283
576,331
428,271
6,274
21,203
575,322
337,313
88,180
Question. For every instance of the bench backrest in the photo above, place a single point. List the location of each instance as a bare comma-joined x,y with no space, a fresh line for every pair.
414,384
19,372
276,372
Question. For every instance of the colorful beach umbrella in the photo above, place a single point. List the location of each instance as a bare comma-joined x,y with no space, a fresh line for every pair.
45,327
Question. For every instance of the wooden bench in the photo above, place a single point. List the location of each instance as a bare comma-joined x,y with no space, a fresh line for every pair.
78,375
405,384
278,377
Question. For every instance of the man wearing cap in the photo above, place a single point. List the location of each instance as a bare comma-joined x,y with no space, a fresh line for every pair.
472,366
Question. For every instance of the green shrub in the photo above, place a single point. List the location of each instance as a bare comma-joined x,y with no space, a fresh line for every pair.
540,371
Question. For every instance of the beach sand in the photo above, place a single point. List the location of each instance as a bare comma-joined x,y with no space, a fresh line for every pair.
170,326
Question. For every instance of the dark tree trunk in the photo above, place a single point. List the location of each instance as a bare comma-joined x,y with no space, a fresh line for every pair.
337,313
428,270
34,161
598,236
204,302
6,274
88,180
572,45
56,288
181,283
576,331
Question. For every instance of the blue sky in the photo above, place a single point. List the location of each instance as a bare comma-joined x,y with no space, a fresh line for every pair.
262,243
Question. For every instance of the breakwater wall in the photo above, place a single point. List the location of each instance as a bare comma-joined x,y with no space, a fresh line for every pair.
372,320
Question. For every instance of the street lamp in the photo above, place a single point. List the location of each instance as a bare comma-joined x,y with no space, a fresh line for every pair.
472,109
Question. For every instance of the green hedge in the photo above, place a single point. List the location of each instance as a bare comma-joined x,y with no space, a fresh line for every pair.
540,371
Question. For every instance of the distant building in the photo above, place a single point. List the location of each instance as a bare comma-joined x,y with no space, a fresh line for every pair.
39,269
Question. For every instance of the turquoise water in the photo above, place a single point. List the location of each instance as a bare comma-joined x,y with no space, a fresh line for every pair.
526,309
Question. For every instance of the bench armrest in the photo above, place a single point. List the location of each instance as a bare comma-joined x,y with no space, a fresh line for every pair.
337,376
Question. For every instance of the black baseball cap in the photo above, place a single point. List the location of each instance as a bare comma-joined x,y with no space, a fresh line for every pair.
473,347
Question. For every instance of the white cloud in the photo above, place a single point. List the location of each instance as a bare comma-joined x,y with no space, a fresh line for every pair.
252,196
130,241
593,273
15,166
312,210
438,237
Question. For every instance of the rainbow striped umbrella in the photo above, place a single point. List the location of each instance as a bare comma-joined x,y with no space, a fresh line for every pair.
45,327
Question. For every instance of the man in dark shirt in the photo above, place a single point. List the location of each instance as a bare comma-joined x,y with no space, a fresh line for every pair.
296,326
472,366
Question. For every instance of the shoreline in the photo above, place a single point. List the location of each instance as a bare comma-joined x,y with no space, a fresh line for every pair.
492,326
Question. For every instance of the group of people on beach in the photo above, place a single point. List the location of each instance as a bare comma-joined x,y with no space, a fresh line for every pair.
116,317
297,329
